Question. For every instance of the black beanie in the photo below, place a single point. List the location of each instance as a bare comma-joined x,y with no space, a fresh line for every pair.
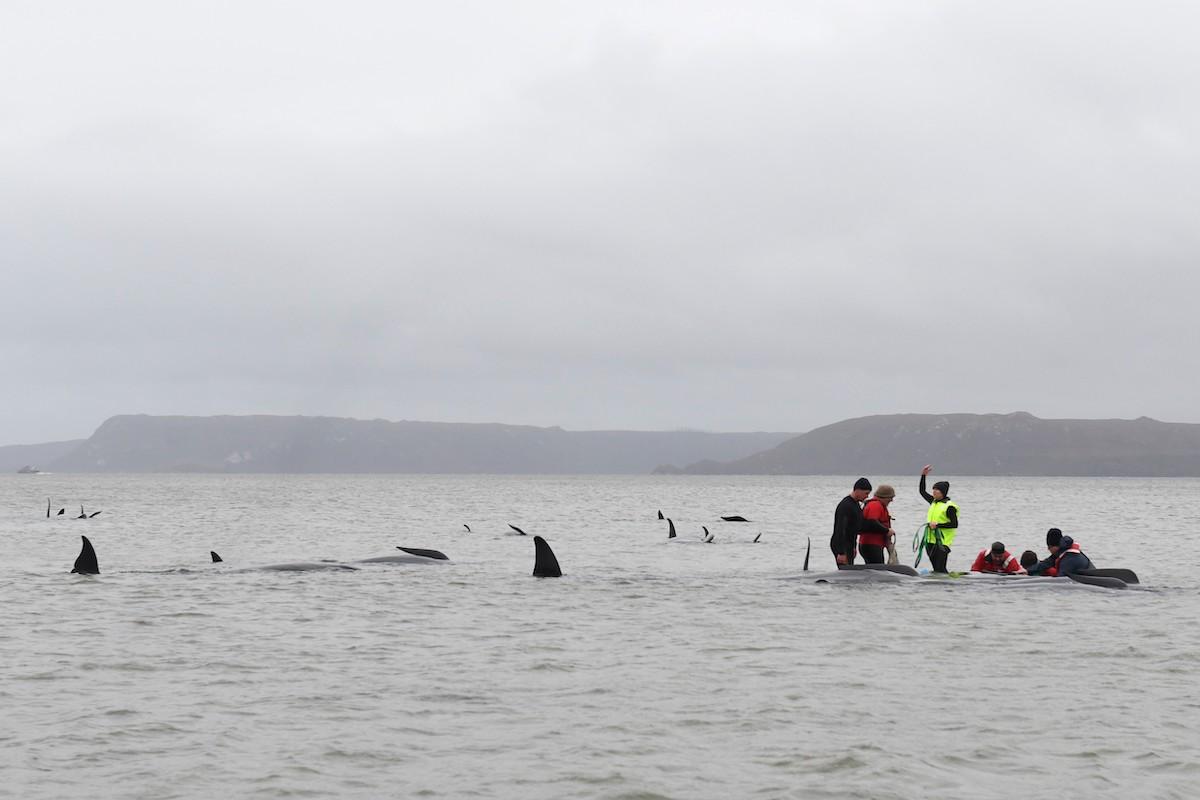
944,486
863,484
997,547
1028,559
1053,537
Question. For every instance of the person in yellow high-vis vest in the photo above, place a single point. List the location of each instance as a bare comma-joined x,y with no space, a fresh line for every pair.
941,522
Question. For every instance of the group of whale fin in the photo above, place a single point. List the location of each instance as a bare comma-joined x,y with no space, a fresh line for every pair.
707,536
82,514
545,564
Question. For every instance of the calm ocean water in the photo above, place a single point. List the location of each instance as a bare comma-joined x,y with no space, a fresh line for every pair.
651,669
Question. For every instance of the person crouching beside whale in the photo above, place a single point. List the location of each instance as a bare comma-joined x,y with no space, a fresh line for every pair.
848,523
1065,557
873,542
941,522
997,559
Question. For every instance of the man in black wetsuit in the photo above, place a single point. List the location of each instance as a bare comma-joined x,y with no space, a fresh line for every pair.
848,522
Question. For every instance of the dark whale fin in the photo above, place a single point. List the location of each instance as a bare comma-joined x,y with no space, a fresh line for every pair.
545,565
660,514
94,513
86,563
61,511
216,559
417,551
81,514
807,553
671,529
1099,580
756,538
735,518
468,527
47,508
708,537
518,530
1126,575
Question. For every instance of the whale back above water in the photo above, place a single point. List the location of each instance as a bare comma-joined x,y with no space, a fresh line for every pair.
409,555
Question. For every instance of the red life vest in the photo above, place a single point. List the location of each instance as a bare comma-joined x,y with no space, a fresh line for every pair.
1008,563
876,510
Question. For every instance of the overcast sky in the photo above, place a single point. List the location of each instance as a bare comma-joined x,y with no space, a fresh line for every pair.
739,216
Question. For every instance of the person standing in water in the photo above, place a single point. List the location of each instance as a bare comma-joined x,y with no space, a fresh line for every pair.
872,542
848,523
942,521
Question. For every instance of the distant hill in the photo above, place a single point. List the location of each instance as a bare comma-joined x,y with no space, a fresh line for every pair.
15,456
977,444
328,444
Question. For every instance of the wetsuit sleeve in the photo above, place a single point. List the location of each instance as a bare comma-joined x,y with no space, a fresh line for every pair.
921,488
1042,566
952,514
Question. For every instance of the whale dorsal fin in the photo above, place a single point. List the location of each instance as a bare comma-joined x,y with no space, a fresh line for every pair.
468,527
671,529
660,514
216,559
756,538
518,530
545,565
86,563
418,551
735,518
807,553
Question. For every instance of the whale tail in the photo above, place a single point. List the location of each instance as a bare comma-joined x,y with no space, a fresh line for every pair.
86,563
670,529
518,530
545,565
216,559
417,551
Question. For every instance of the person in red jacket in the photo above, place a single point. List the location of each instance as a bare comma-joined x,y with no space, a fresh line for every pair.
997,560
873,539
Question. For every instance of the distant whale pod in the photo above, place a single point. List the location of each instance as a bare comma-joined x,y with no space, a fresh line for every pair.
518,530
545,565
671,529
86,563
216,559
735,518
660,514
